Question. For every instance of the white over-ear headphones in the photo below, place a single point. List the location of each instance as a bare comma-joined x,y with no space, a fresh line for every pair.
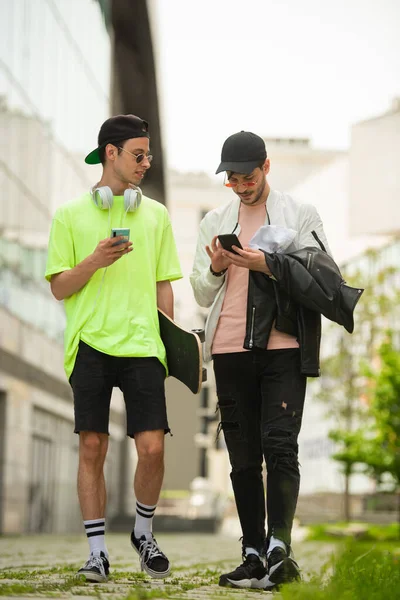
104,198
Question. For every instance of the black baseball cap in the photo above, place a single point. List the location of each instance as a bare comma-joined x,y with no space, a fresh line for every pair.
116,129
242,152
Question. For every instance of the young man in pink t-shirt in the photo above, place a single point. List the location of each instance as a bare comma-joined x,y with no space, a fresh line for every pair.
261,356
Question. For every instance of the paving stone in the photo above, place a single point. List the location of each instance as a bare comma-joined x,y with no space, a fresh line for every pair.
48,564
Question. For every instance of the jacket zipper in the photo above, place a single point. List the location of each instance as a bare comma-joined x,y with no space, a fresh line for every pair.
252,327
309,254
315,236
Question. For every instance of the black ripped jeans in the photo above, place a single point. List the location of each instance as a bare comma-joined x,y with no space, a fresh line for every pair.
261,398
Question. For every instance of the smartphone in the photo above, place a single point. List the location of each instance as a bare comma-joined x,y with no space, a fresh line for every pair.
227,240
119,231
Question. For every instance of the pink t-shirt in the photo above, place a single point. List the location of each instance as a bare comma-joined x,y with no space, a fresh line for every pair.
231,328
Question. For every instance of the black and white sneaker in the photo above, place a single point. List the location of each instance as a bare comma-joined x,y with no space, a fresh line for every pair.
96,569
250,574
282,568
152,560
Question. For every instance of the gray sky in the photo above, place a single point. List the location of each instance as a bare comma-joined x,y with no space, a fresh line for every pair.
278,68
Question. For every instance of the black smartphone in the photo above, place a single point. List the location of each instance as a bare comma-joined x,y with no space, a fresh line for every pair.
227,240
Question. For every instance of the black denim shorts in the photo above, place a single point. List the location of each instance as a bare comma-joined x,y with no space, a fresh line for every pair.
141,380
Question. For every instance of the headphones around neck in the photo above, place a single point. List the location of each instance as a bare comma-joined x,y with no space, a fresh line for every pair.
104,198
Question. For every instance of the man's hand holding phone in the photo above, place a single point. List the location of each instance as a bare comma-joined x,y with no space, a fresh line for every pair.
234,254
110,250
218,261
248,258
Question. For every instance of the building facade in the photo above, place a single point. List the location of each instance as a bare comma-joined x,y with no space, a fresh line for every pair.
375,179
295,159
65,66
43,133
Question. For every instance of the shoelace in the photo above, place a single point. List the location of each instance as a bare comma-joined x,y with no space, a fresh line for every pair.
95,561
149,549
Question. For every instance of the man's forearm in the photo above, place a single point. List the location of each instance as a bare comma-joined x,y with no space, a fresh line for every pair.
69,282
165,298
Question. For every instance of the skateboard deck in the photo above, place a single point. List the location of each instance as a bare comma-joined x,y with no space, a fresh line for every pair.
184,353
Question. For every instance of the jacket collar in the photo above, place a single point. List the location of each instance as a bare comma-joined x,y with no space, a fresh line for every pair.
231,216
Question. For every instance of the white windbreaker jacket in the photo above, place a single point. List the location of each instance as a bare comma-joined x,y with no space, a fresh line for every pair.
283,210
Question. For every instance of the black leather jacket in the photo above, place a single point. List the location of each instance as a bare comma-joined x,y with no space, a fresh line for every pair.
306,284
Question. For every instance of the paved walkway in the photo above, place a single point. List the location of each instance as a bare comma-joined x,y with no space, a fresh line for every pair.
46,565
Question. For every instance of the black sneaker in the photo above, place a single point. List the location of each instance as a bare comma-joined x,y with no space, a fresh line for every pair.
250,574
152,560
282,568
96,569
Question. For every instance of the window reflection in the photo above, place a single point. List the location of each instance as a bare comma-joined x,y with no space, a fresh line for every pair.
23,291
54,93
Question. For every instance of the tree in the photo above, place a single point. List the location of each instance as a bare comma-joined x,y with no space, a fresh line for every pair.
344,384
385,411
376,445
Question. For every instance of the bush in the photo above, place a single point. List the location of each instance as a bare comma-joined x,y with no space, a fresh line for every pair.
372,575
359,531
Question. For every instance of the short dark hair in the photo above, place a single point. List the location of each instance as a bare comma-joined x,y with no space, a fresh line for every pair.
118,145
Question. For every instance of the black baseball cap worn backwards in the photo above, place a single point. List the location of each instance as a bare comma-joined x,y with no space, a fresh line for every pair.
242,152
116,129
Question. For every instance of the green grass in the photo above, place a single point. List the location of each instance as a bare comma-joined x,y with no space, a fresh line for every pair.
142,594
128,585
39,587
359,572
118,576
25,574
324,532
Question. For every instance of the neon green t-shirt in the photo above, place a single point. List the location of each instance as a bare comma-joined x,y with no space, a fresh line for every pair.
116,315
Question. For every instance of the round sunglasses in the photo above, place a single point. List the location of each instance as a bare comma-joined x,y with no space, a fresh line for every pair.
139,157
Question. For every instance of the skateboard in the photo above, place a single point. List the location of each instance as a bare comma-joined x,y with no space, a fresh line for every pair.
184,352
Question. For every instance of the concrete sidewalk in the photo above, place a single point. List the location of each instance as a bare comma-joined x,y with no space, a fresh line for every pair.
46,566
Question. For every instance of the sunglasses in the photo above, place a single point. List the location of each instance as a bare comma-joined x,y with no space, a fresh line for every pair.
139,157
246,184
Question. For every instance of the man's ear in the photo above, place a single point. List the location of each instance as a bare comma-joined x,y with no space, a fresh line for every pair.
266,166
111,151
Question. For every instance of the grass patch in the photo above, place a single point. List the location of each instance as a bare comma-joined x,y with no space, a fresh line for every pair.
186,586
16,589
16,575
130,585
49,587
358,572
116,575
324,532
203,567
32,574
143,594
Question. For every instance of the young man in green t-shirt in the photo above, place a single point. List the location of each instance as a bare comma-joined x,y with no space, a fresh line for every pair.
111,289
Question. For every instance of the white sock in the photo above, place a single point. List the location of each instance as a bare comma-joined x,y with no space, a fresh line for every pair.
275,543
144,519
95,530
250,550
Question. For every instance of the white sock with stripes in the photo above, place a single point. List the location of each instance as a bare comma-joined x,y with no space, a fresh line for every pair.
95,529
144,519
